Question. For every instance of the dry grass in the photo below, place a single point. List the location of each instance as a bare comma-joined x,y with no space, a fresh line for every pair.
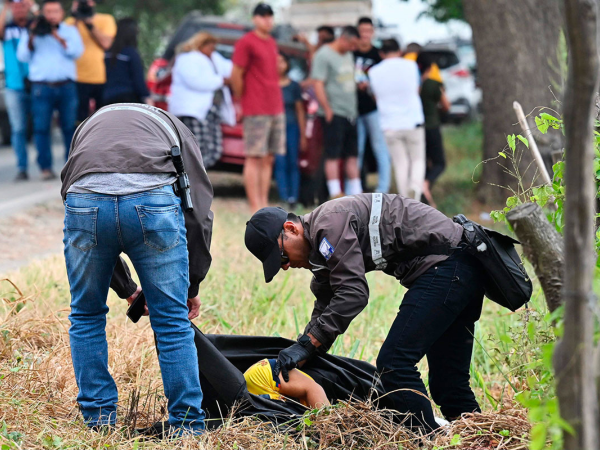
38,390
38,409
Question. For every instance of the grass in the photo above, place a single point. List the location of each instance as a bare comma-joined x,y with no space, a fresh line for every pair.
454,191
38,390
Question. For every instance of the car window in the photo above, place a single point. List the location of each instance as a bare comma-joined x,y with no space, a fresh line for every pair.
443,58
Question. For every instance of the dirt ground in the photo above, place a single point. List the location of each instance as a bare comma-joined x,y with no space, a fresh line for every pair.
37,232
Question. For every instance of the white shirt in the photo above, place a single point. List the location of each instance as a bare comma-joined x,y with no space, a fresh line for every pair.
195,80
395,83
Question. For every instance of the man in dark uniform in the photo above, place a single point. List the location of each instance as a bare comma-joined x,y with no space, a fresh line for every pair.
342,240
118,193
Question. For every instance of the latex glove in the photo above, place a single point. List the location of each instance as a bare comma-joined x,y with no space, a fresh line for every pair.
290,357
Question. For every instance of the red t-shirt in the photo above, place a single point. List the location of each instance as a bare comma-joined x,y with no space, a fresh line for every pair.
258,57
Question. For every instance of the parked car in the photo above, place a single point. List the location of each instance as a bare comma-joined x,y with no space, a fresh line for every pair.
227,34
456,60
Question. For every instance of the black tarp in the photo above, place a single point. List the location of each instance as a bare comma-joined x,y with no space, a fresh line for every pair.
224,358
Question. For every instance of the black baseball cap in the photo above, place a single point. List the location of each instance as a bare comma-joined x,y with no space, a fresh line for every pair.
262,9
262,238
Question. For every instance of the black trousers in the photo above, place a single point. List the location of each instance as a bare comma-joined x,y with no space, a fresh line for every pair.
434,152
436,319
86,93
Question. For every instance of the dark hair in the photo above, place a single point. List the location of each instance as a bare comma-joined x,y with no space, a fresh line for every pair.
349,31
287,62
51,1
413,47
424,61
327,29
293,217
389,46
364,20
127,34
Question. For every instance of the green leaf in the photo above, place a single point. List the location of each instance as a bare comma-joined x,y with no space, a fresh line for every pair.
502,154
307,422
549,117
455,440
505,433
511,202
524,140
538,436
512,142
542,125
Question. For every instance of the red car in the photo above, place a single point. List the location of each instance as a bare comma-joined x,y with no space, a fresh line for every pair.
227,34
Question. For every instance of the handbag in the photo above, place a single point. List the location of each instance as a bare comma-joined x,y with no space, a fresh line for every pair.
507,282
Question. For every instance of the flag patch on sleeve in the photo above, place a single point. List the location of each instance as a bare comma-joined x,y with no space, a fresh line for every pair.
326,249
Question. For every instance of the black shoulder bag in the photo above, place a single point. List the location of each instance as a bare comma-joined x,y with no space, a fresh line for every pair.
507,282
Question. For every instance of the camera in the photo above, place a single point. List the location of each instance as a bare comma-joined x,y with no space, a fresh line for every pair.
84,10
43,27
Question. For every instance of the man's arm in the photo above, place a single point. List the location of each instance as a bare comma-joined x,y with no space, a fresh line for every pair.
121,281
319,87
71,42
3,20
347,279
103,38
25,47
237,81
301,114
198,222
303,388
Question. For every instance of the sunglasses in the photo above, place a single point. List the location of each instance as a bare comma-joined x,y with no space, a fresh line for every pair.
284,258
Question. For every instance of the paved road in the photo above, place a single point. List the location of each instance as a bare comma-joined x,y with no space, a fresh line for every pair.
15,197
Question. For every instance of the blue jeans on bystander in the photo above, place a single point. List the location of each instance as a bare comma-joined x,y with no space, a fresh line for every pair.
18,106
46,98
149,227
287,171
369,124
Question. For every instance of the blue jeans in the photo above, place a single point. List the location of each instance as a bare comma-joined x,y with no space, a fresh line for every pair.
18,106
436,319
44,100
287,171
149,227
369,124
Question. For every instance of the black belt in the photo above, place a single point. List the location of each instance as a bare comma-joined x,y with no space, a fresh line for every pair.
53,83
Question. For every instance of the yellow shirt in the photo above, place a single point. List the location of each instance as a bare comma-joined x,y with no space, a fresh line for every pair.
90,67
260,380
434,74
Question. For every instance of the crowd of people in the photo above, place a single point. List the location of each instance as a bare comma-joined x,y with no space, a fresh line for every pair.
72,66
391,98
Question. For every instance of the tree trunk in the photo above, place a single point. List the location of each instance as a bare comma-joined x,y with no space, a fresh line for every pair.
574,355
516,44
543,247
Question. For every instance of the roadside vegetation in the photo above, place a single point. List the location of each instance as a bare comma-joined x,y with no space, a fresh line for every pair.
511,366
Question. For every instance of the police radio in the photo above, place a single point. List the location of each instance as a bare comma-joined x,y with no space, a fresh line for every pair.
182,185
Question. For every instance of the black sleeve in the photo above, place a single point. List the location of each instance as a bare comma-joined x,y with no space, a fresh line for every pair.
198,222
121,281
137,74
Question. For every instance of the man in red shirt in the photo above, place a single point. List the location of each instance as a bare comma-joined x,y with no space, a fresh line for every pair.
255,80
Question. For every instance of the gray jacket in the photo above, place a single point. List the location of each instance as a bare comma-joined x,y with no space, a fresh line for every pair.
357,234
128,138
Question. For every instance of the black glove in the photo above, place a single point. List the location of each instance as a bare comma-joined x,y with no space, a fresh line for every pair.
290,357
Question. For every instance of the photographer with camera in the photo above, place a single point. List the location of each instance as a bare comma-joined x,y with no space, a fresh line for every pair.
16,93
98,32
51,48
